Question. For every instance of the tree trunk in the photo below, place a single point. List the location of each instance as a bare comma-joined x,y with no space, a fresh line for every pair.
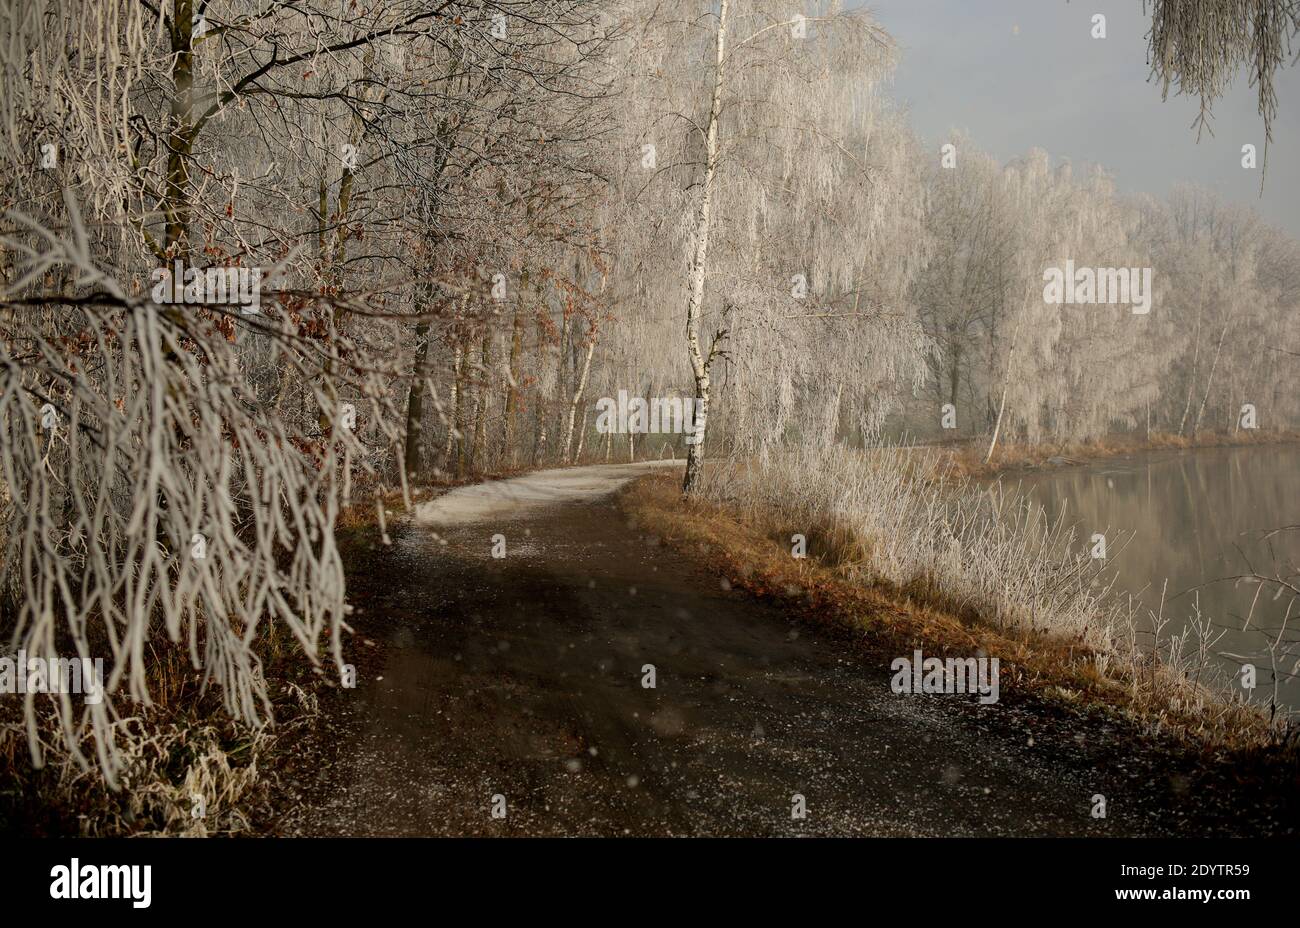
541,412
1196,363
512,372
479,448
695,303
453,423
539,436
955,375
582,438
1214,365
322,212
415,402
1006,380
462,411
180,140
577,397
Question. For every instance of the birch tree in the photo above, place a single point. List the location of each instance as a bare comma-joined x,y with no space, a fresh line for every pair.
763,125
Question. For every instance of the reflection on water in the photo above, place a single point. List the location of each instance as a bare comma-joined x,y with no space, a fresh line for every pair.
1196,517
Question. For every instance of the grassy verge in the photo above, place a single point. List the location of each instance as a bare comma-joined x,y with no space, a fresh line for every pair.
750,546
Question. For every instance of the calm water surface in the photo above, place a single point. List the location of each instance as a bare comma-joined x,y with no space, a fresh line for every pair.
1195,517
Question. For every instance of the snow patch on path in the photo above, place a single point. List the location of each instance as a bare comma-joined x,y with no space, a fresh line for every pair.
524,495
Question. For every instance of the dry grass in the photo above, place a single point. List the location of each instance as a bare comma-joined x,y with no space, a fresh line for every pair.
183,777
183,754
1082,664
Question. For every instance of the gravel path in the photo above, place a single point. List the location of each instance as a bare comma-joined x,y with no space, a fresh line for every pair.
521,677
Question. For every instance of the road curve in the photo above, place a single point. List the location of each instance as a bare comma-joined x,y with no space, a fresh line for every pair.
517,683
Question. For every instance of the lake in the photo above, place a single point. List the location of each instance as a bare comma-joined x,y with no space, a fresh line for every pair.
1192,518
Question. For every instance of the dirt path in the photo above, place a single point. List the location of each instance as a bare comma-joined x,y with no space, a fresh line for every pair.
522,677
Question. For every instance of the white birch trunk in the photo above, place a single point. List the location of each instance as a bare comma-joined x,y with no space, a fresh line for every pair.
1006,380
454,425
695,303
577,398
1214,366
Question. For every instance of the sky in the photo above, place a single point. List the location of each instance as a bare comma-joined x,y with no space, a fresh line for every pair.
1019,74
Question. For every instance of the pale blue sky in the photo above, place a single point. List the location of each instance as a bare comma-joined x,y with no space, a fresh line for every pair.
1023,73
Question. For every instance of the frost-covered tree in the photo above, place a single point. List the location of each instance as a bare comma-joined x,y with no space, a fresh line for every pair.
758,148
1199,46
